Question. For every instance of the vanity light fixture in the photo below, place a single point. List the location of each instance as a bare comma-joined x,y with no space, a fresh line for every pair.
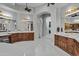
4,15
71,10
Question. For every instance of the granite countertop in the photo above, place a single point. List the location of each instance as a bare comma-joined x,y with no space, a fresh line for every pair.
4,34
9,33
71,31
70,35
21,32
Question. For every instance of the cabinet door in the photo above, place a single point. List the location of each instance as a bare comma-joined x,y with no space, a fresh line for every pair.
76,48
64,43
25,37
70,46
20,36
61,42
13,38
57,41
31,36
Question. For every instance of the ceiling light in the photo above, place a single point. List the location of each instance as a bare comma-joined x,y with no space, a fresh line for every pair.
50,4
27,9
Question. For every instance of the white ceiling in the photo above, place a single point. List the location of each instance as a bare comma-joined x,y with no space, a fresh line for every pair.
60,5
31,5
21,6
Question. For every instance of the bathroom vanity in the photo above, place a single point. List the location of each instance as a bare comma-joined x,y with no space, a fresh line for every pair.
11,37
26,36
68,42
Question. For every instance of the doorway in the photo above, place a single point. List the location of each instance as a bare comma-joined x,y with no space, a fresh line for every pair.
45,25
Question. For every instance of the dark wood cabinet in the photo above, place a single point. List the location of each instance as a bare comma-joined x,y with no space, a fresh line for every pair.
76,48
71,46
30,36
61,43
16,37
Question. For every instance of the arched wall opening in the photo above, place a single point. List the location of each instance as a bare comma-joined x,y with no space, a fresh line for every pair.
44,24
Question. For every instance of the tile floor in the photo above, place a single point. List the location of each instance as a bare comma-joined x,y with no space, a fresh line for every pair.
17,49
45,47
39,47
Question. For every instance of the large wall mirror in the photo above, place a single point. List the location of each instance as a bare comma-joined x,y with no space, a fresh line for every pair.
72,20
